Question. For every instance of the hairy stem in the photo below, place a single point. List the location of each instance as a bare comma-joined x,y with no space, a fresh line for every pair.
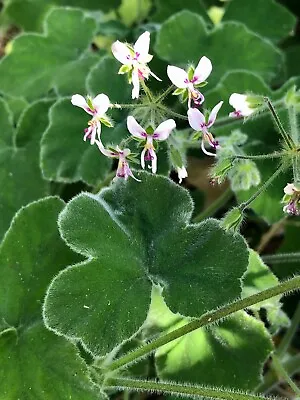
260,156
164,94
215,206
270,234
268,182
179,389
171,112
206,319
282,258
286,137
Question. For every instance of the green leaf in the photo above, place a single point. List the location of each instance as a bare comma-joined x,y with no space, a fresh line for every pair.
33,359
19,159
257,278
254,15
213,356
50,54
65,157
132,11
131,237
187,31
165,8
29,14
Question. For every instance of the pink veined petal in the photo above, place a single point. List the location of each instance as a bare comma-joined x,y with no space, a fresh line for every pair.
107,153
88,132
80,101
154,161
99,130
203,70
143,157
208,153
178,76
213,114
121,52
154,76
135,129
196,119
237,100
101,104
94,134
163,130
136,84
141,47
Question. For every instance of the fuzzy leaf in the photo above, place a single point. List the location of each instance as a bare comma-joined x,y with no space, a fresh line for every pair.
187,31
130,233
50,54
32,357
165,8
65,157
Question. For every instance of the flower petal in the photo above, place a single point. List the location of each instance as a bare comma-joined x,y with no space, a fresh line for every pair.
142,47
182,173
107,153
135,129
154,161
164,129
80,101
213,114
154,76
196,119
177,76
202,70
289,189
136,84
121,52
239,103
143,157
101,104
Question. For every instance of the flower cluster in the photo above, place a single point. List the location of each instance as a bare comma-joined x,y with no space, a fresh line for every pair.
291,199
134,60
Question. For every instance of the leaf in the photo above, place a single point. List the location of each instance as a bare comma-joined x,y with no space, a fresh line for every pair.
165,8
50,54
32,357
65,157
254,15
257,278
29,14
132,11
177,31
19,156
133,234
213,356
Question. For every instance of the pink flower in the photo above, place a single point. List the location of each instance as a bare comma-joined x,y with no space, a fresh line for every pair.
161,133
198,122
135,60
123,170
180,78
291,199
241,105
96,107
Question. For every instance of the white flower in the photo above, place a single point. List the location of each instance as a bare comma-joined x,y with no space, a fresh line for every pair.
96,107
241,105
135,60
179,77
198,122
182,173
161,133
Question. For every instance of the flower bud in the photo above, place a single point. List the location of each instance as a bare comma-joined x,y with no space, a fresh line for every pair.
232,220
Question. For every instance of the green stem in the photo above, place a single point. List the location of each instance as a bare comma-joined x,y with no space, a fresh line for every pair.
179,389
280,370
147,91
244,205
215,206
291,365
171,112
204,320
290,333
296,138
119,106
260,156
286,137
164,94
282,258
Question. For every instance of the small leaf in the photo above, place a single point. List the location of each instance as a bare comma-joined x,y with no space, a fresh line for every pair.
32,357
187,31
65,157
50,54
254,15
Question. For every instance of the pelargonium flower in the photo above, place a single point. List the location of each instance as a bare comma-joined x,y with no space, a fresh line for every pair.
96,107
198,122
134,60
161,133
291,199
123,169
189,81
241,105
